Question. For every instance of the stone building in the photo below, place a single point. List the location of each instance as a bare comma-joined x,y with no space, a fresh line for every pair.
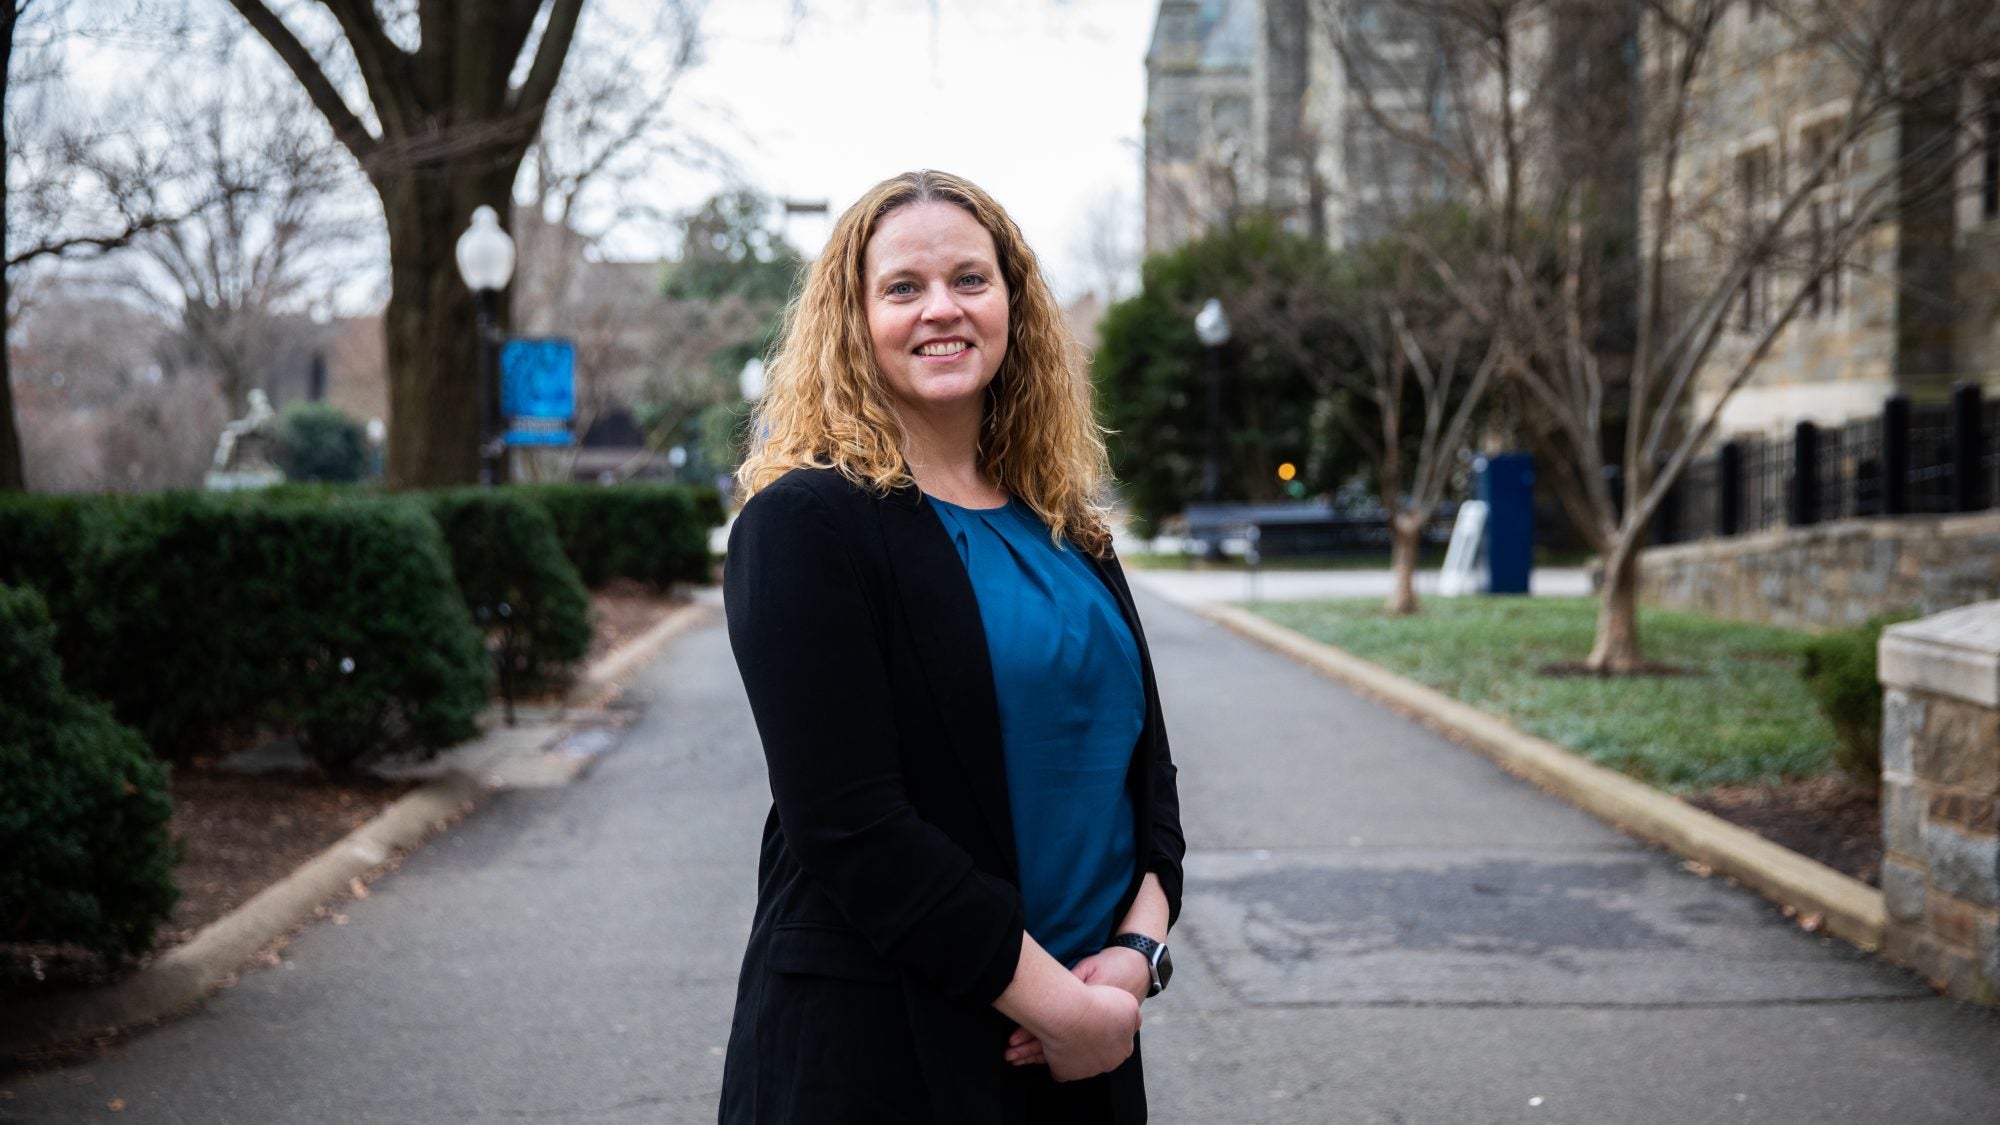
1908,307
1225,131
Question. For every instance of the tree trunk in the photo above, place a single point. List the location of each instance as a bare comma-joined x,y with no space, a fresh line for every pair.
1404,541
12,476
1616,649
433,354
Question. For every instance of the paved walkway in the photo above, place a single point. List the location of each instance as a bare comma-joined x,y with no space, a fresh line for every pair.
1191,586
1380,927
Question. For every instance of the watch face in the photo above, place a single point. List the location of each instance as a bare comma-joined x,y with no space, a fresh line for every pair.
1165,967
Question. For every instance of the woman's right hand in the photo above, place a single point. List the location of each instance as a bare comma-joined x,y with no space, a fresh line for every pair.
1095,1037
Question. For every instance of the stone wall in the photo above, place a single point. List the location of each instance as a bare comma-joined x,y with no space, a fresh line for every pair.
1831,575
1941,798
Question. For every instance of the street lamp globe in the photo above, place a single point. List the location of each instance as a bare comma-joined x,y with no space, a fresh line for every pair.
485,253
1211,324
751,380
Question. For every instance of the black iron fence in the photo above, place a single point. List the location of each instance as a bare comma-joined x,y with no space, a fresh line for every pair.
1912,459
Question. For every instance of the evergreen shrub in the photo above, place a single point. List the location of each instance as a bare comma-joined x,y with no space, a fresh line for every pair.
1840,670
85,856
504,550
651,533
334,616
322,444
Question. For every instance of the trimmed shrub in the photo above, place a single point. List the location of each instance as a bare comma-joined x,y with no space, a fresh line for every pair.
322,444
331,615
651,533
83,812
504,550
1840,670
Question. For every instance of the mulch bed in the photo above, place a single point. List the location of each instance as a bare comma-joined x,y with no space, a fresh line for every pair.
1823,818
241,832
623,610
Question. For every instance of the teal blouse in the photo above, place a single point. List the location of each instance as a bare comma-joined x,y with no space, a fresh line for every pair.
1072,703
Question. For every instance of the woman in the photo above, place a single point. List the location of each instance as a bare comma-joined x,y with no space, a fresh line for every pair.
974,849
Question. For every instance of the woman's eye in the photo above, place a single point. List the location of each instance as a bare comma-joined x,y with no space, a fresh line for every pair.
901,289
973,279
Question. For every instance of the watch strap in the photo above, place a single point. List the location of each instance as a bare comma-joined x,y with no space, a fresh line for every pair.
1151,951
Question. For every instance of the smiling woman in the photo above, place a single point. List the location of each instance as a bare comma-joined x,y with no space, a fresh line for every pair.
974,848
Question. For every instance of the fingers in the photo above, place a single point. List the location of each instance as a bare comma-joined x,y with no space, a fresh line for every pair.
1023,1049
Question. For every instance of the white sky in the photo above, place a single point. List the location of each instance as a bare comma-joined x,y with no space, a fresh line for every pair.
1037,101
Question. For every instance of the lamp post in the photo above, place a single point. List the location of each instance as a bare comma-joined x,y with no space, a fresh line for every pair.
1211,326
486,262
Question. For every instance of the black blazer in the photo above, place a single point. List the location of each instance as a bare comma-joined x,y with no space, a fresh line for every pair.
889,912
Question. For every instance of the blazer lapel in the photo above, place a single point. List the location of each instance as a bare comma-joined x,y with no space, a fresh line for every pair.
943,612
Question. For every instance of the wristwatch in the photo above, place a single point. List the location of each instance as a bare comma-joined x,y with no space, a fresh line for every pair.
1156,956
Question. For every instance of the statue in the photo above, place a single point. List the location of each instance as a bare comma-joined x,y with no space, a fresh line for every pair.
244,453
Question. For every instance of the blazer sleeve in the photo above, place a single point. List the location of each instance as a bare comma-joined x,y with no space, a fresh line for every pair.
1168,847
814,668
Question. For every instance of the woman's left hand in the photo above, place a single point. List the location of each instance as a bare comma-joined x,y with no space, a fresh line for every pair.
1117,966
1120,967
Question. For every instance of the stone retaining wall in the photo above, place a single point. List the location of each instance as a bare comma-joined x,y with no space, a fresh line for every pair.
1941,798
1833,574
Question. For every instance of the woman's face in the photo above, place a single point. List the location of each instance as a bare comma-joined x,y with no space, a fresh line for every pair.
937,306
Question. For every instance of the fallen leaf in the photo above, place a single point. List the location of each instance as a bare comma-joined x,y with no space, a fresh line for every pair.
357,888
115,1105
1812,922
340,919
1702,870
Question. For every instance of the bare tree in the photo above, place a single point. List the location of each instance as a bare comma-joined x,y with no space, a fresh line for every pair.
271,242
82,190
1426,365
445,130
608,131
1729,251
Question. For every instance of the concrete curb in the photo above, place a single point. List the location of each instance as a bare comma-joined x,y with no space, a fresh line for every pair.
187,973
1847,907
620,662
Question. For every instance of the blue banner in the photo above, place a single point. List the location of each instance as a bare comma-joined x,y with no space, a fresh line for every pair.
538,390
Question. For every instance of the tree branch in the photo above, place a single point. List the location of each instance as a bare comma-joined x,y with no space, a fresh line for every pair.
312,76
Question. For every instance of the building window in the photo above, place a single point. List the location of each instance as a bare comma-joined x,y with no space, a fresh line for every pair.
1826,219
1754,190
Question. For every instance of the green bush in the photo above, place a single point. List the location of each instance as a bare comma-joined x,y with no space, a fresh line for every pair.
331,615
83,812
322,444
1840,670
504,550
651,533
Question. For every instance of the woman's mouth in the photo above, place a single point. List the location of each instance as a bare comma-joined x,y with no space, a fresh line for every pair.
943,348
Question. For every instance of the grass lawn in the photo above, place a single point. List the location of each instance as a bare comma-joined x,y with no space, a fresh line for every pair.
1741,715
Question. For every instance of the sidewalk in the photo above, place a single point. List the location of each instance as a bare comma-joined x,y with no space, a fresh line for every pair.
1380,926
1189,587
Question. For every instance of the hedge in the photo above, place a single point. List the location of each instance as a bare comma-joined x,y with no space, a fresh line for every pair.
335,616
651,533
1840,670
84,810
504,550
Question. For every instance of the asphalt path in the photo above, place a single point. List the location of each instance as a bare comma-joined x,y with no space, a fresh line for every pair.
1380,927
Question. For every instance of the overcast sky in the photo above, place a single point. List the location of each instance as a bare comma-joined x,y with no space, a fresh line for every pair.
1038,101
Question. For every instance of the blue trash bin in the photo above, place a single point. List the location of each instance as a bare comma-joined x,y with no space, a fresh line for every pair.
1506,482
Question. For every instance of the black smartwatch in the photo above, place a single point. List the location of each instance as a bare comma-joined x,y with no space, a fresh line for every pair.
1156,956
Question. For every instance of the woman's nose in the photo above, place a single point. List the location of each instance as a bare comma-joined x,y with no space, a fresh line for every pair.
940,304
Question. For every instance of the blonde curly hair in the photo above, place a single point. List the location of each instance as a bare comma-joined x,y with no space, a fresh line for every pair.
827,404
